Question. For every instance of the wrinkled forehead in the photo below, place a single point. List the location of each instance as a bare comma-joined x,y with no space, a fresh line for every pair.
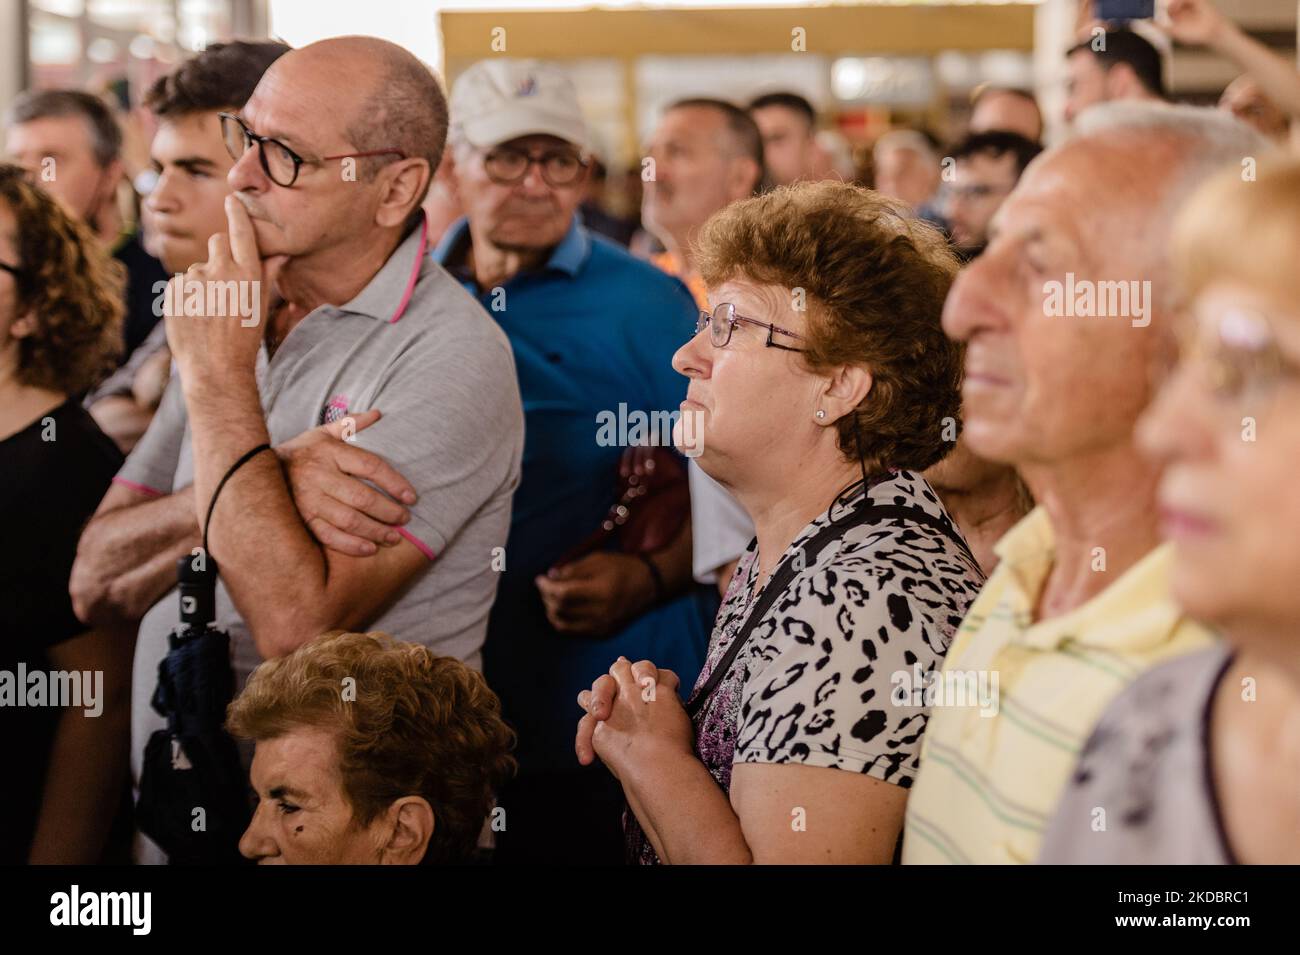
756,299
1081,187
53,134
304,759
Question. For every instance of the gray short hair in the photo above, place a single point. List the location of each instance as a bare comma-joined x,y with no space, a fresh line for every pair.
1211,138
105,134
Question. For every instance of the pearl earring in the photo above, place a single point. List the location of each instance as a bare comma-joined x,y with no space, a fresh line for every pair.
820,414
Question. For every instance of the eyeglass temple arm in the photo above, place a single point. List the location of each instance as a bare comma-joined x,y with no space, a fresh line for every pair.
742,320
372,152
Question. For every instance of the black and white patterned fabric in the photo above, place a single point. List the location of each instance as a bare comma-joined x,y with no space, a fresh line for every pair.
814,682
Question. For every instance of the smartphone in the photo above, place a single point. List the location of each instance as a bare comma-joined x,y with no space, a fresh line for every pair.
1110,10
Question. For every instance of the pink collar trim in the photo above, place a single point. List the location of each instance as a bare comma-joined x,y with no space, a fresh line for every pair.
415,270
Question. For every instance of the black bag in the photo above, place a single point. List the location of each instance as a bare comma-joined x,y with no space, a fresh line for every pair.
193,792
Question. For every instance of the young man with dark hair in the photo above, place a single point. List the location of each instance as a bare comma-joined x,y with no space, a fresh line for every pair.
185,207
1115,65
788,124
71,146
986,169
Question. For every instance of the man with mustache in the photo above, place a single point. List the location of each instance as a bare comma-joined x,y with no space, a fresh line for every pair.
593,331
1080,603
333,156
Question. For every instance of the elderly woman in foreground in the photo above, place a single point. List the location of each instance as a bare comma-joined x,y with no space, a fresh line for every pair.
369,751
821,384
1197,762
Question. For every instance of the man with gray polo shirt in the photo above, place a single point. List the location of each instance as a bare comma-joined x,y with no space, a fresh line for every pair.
373,343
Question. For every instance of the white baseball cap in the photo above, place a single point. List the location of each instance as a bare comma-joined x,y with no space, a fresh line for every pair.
499,100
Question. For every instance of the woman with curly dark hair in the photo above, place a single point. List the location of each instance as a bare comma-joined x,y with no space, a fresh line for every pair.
65,690
821,385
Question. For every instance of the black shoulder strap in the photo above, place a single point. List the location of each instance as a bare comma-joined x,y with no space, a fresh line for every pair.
868,513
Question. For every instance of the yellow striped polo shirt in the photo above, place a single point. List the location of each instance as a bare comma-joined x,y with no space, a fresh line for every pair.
991,774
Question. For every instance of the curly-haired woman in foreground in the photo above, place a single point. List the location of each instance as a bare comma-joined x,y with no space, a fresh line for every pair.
822,384
369,751
60,331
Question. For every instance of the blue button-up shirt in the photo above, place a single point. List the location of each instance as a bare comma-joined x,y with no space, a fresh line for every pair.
593,332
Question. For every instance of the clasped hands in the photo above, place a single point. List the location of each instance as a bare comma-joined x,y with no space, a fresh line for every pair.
633,717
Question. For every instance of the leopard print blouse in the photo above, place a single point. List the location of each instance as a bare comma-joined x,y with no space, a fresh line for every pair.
813,683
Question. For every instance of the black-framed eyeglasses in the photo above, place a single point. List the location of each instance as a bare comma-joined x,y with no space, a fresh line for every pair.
280,163
724,319
560,167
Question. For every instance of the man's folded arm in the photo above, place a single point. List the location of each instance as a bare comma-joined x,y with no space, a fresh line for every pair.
287,588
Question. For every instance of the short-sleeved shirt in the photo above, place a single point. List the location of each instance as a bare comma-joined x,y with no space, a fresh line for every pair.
122,382
815,683
415,346
721,529
55,472
594,331
1147,768
991,776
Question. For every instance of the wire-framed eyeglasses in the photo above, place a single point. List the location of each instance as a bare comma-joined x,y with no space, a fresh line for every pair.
723,320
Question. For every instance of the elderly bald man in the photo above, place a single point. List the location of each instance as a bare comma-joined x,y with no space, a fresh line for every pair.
387,393
1063,316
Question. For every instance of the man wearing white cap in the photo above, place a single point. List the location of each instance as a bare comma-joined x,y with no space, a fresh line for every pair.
593,331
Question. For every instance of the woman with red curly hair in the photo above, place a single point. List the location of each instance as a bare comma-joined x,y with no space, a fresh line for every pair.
60,329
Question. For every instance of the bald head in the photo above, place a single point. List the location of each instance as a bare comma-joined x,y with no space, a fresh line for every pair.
1151,156
382,95
364,124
